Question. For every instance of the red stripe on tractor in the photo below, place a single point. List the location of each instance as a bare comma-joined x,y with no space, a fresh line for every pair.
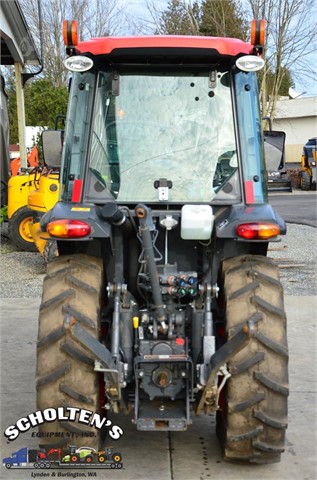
77,190
249,192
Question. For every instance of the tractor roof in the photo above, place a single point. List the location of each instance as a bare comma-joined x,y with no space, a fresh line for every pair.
165,45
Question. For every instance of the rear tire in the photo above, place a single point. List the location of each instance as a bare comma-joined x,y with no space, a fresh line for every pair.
50,250
65,370
306,180
19,229
251,426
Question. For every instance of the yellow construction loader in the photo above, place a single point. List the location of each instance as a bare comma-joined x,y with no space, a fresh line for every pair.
307,177
19,215
30,196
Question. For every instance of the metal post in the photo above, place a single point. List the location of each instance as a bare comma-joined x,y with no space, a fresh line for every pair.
115,340
21,113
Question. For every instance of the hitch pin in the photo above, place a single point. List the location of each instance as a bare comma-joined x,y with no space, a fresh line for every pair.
226,375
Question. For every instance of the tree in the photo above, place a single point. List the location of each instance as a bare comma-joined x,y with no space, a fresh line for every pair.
286,83
43,101
179,18
210,17
95,18
291,39
223,19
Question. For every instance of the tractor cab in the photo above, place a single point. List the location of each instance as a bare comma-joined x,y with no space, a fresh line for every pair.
163,119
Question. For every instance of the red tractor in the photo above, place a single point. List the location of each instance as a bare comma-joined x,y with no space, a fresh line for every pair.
162,300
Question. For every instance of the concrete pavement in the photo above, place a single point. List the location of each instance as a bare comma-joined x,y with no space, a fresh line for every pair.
191,455
296,207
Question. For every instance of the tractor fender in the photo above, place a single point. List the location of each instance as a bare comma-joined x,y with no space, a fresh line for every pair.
75,211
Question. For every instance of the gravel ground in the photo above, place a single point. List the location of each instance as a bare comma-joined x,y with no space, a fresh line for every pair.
22,273
296,256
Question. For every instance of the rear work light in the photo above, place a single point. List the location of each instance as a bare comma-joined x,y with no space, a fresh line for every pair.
68,228
257,230
250,63
78,63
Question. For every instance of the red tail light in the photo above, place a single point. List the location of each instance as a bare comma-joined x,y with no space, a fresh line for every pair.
68,228
257,230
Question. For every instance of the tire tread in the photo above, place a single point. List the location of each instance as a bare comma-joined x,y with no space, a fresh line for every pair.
252,426
73,286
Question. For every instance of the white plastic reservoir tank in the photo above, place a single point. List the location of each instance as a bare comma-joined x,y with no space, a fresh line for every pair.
197,222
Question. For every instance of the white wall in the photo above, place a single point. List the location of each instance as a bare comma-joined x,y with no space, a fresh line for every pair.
298,131
31,134
298,119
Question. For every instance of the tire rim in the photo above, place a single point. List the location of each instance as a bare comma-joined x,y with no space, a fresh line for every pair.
24,229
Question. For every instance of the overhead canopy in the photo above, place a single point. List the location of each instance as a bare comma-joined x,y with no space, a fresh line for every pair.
167,45
17,45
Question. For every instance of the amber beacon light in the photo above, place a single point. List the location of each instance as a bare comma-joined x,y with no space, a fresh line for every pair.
258,33
70,33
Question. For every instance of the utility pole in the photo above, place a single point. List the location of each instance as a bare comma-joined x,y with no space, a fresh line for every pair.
21,113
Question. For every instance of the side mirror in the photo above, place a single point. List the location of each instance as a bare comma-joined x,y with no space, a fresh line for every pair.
274,147
52,143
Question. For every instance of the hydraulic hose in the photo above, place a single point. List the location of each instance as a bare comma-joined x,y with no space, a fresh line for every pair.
144,215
